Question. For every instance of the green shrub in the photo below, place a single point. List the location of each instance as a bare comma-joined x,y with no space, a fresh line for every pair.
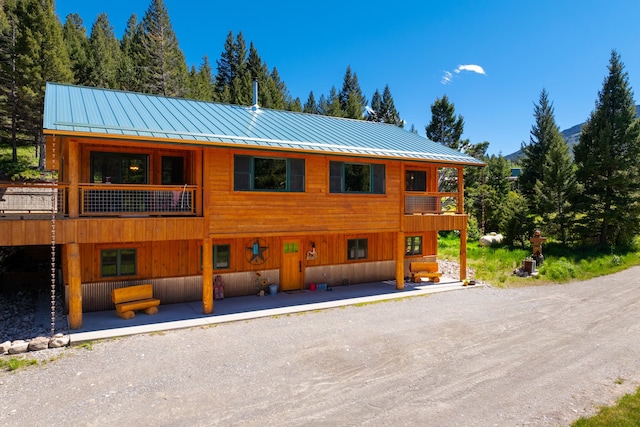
560,270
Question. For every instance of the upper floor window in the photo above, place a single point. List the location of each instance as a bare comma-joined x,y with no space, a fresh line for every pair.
356,178
268,174
415,180
119,168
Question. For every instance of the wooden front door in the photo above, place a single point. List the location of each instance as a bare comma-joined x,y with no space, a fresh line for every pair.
291,273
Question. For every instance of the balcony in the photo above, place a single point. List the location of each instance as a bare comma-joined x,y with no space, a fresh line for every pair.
433,212
33,201
132,200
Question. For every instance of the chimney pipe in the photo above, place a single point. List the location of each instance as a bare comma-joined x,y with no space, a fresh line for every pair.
255,105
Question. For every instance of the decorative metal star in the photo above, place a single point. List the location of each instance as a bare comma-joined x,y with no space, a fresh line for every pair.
257,256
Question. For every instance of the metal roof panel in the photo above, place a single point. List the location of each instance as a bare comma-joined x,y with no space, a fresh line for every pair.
70,108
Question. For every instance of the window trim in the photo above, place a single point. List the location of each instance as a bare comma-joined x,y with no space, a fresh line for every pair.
357,249
410,243
291,185
118,261
377,178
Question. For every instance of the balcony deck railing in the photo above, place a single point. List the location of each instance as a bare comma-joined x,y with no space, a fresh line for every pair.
431,203
23,198
112,199
18,200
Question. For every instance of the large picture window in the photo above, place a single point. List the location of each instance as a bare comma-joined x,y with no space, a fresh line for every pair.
118,262
357,248
268,174
119,168
356,178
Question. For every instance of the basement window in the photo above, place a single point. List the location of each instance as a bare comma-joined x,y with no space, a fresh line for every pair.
357,248
118,262
414,245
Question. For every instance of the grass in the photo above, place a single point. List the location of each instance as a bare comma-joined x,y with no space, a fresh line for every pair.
15,363
495,265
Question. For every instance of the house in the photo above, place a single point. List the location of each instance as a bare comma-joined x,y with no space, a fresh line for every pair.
175,192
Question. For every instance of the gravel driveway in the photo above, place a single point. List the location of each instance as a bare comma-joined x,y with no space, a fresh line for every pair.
539,356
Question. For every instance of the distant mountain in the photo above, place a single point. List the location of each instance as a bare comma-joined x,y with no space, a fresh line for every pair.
571,136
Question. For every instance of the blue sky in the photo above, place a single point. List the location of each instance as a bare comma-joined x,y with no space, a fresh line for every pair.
491,58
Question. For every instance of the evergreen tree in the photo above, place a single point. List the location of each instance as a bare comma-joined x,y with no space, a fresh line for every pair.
445,127
557,188
607,163
165,69
9,108
310,106
389,113
352,101
41,56
295,105
131,64
497,187
77,43
323,105
376,107
333,107
543,132
104,54
224,75
201,86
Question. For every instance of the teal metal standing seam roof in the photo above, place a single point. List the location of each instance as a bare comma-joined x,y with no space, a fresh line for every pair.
72,109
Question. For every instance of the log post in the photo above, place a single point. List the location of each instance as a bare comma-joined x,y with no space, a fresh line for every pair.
75,286
400,261
207,276
463,254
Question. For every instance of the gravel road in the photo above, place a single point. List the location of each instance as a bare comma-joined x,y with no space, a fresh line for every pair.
539,355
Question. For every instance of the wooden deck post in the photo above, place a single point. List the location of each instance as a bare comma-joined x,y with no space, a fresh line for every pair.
463,254
75,285
400,261
207,276
74,178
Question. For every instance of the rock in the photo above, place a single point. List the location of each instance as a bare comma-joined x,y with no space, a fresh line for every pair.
19,346
59,340
39,343
4,347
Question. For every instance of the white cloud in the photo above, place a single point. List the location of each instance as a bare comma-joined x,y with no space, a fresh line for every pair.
470,67
446,79
448,75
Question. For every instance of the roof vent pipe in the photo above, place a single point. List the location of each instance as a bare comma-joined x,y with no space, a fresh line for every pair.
255,105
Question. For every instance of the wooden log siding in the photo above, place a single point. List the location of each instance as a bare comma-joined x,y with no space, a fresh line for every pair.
281,213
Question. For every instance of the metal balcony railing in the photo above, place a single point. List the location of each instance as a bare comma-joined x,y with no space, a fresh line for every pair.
111,199
431,203
25,198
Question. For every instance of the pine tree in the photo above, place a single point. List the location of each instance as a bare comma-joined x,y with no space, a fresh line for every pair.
445,127
496,193
607,163
323,105
41,56
224,75
543,132
390,114
295,105
77,43
557,188
373,113
333,107
104,54
166,71
131,60
352,101
9,108
310,106
201,82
